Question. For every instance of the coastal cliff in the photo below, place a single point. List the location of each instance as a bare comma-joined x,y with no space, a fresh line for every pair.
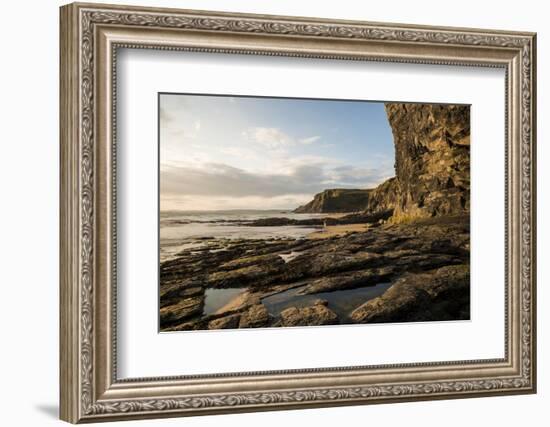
432,167
336,200
384,198
432,158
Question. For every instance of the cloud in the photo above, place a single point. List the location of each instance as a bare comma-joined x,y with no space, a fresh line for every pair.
275,138
239,152
218,180
310,140
352,175
177,131
165,116
221,203
268,137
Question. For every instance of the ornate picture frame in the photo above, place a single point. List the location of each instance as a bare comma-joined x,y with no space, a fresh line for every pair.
90,37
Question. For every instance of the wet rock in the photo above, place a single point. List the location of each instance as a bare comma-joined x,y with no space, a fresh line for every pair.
254,275
441,294
257,316
349,281
172,293
184,309
228,322
328,260
342,261
268,260
280,221
315,315
194,324
424,261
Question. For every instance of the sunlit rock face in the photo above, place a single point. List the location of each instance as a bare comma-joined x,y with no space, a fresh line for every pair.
432,158
337,200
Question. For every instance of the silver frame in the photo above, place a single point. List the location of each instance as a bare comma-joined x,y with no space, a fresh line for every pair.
90,37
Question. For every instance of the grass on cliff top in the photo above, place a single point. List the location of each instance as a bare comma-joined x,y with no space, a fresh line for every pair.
404,219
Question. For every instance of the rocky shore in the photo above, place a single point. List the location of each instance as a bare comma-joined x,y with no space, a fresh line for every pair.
426,262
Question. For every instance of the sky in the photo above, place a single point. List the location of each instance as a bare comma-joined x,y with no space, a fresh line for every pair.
228,152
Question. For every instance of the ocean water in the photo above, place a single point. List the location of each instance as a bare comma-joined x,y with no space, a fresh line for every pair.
183,229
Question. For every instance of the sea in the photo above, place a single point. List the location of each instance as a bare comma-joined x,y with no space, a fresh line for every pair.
181,230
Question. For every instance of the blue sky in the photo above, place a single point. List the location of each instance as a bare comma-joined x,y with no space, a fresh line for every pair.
220,152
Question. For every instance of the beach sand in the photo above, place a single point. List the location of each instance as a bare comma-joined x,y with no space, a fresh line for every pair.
337,230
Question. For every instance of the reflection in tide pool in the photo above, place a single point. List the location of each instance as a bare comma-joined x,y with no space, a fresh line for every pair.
217,298
341,302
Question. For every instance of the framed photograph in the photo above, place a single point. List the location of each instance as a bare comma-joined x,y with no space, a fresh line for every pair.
266,212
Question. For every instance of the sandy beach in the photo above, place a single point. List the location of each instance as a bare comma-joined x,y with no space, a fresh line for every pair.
338,230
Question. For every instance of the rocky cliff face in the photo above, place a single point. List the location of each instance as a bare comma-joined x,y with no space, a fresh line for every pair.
432,158
432,167
337,200
385,197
